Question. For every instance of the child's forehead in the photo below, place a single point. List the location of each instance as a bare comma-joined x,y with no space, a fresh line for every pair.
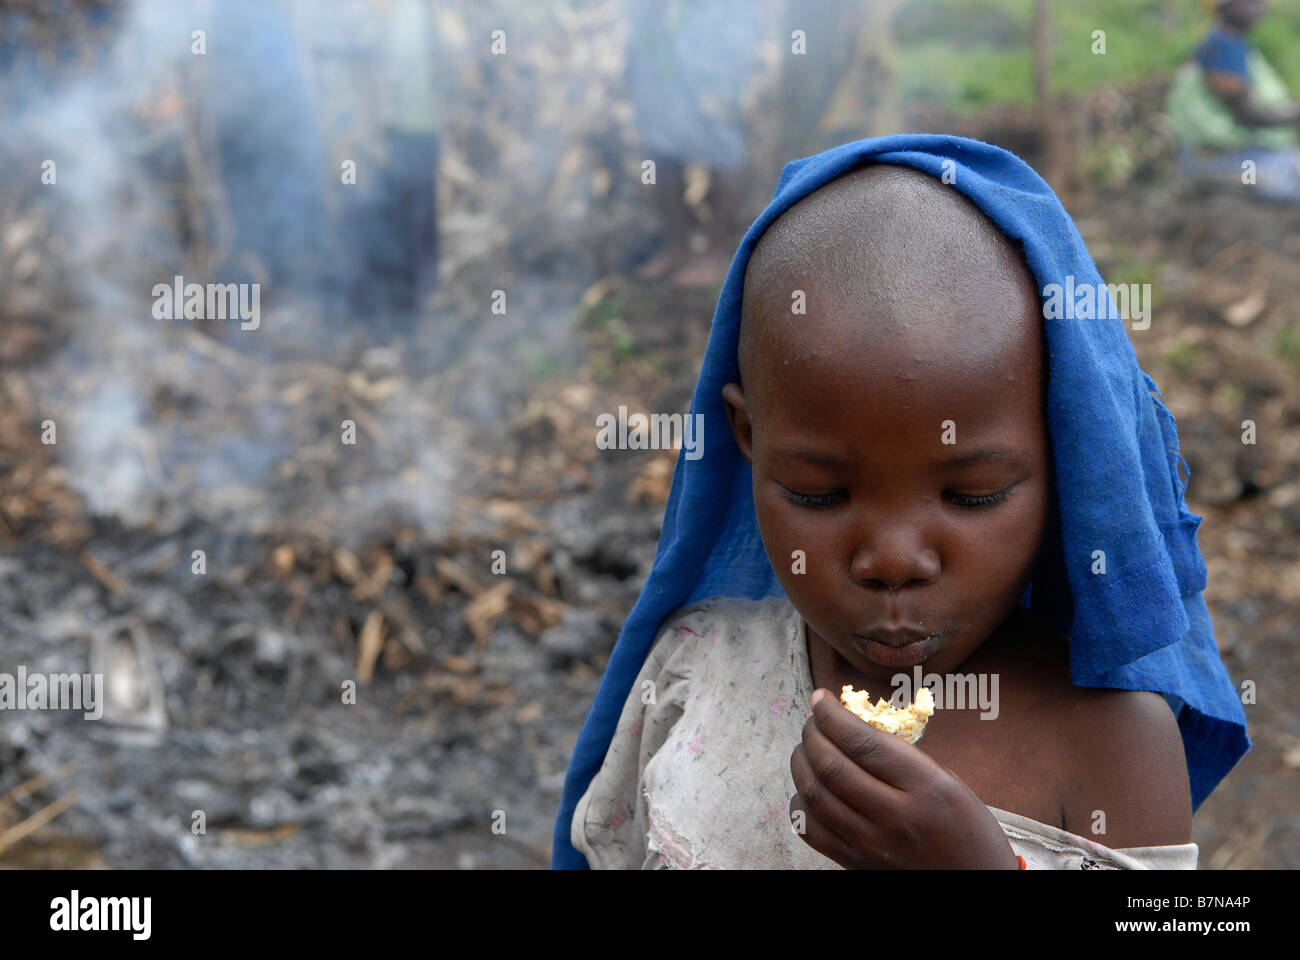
836,373
872,276
908,352
967,316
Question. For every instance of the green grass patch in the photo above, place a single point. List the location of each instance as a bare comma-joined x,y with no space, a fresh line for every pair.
1287,344
971,54
1183,358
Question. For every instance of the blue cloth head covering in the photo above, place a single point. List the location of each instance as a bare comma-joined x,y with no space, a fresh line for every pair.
1143,625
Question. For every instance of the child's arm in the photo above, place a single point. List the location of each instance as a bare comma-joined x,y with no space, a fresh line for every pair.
610,821
1130,786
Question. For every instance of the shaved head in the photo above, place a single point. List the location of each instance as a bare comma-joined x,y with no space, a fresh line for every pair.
883,251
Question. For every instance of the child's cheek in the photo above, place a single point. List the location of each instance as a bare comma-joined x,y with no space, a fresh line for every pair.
1002,552
795,547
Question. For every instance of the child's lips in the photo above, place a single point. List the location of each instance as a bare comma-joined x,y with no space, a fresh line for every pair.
899,648
896,636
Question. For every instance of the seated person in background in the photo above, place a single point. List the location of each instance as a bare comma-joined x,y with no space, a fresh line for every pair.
1227,106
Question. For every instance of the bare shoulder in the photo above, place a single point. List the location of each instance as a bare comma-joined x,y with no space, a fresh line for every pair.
1126,772
1116,756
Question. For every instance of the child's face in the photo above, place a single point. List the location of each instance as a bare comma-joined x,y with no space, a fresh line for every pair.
904,534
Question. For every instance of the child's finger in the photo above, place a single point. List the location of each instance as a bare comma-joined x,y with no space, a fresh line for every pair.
843,775
822,803
821,837
885,756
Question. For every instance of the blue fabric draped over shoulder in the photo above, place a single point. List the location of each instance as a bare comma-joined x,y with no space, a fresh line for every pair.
1143,625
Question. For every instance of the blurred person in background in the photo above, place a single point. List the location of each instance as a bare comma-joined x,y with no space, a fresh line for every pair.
255,99
688,64
406,259
372,63
1227,106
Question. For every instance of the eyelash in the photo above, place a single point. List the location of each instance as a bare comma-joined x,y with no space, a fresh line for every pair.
978,503
815,502
824,500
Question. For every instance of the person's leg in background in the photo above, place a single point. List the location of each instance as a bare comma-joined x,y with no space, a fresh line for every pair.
425,225
1276,172
1277,175
412,191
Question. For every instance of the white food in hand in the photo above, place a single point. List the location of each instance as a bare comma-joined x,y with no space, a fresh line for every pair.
907,723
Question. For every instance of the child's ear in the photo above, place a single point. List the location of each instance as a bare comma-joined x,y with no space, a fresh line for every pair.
738,416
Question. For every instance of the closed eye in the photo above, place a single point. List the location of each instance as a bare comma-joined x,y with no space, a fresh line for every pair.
820,501
817,501
969,502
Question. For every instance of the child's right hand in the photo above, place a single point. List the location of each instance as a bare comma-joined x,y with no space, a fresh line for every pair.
872,801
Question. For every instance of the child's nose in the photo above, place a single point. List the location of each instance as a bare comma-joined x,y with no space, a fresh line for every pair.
894,558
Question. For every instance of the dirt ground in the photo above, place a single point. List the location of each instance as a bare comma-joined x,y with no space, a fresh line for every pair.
1223,349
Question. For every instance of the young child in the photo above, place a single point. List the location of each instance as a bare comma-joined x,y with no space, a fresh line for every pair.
918,459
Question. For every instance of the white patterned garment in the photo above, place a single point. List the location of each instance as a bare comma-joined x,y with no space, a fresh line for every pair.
700,777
